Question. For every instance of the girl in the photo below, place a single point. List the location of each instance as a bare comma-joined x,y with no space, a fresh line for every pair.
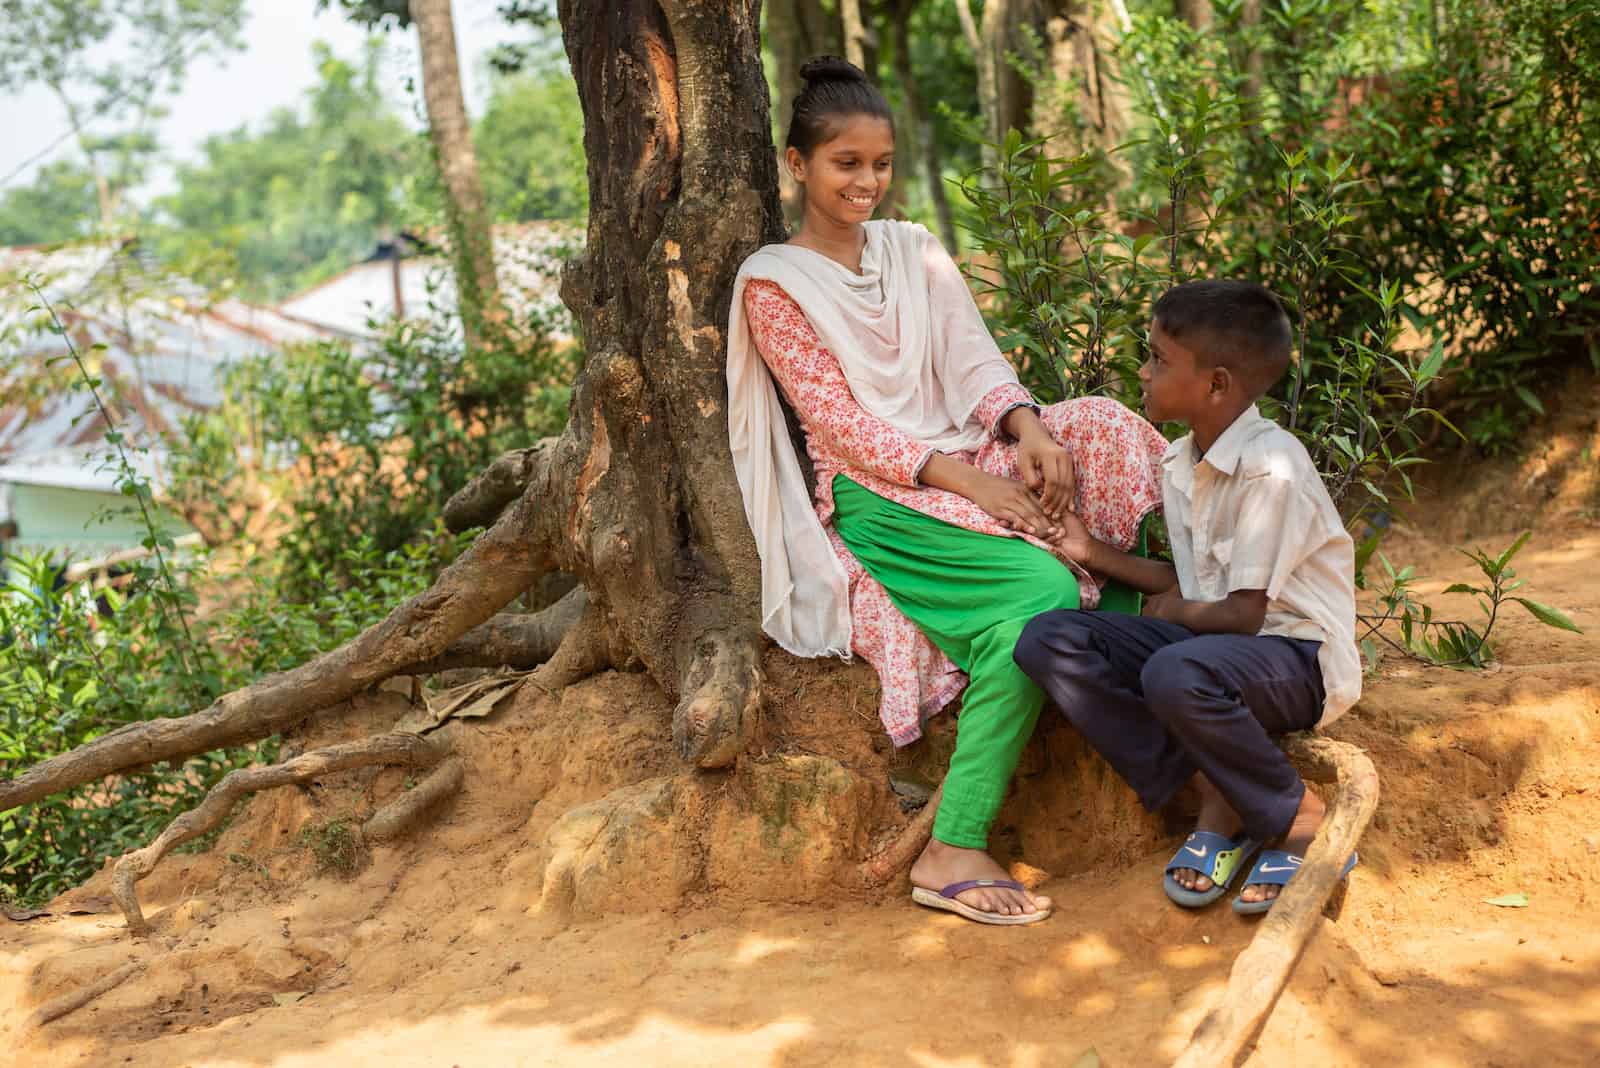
938,479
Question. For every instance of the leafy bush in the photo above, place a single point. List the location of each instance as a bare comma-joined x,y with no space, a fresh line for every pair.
363,444
77,663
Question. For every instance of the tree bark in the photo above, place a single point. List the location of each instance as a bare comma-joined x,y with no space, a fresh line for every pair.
458,162
1002,92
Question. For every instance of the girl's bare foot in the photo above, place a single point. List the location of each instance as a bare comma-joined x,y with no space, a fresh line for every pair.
942,864
1217,816
1307,819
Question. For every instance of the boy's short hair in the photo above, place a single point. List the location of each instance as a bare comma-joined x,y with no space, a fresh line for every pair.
1232,324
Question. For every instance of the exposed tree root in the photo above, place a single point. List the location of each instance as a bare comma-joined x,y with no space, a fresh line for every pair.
480,502
394,748
1262,969
587,647
498,567
511,639
720,709
900,853
56,1008
405,811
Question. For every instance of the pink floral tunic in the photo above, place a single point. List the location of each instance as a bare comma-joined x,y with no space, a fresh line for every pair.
1117,456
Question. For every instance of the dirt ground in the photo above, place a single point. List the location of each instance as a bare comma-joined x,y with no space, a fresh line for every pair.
583,902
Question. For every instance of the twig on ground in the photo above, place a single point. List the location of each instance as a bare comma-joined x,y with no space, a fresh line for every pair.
1262,969
56,1008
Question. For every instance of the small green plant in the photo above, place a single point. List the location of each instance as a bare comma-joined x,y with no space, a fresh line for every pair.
336,846
1451,642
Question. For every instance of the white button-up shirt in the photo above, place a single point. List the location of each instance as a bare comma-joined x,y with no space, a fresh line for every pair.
1253,514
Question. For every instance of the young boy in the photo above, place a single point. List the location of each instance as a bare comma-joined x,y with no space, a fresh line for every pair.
1249,632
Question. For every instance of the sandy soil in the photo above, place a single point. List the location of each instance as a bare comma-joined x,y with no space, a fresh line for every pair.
467,946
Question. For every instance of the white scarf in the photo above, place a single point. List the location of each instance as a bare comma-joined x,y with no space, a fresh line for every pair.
916,354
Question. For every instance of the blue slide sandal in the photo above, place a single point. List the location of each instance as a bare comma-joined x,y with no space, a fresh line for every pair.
1216,856
1275,868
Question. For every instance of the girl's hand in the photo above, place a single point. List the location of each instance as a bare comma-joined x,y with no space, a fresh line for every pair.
1046,468
1009,501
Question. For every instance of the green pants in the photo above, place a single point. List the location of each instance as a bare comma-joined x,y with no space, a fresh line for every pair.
971,594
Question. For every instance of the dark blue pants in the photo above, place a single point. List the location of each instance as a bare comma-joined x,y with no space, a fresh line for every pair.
1160,703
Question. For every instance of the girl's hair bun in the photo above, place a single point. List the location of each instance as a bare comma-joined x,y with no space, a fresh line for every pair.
835,89
831,69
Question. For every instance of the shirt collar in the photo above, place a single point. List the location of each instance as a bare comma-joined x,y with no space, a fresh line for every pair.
1225,451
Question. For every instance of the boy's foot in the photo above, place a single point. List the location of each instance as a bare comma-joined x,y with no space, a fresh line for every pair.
1216,816
1307,819
942,865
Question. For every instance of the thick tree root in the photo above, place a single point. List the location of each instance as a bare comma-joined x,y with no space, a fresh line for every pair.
587,647
56,1008
404,812
511,639
480,502
396,748
720,709
1262,969
901,852
498,567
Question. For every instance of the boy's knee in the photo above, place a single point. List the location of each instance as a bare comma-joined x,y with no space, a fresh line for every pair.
1172,678
1045,640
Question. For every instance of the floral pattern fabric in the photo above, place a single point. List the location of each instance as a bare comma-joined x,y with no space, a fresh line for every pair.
1116,454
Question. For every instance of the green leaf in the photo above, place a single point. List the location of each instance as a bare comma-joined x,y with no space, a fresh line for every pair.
1508,901
1527,397
1550,617
1516,546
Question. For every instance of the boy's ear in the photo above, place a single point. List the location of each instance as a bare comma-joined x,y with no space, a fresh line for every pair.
1221,382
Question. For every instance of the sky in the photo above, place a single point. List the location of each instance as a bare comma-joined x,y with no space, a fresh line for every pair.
273,70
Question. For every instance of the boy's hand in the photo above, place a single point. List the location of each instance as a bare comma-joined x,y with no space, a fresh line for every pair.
1074,542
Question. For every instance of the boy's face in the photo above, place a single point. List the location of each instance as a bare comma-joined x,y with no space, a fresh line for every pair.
1176,385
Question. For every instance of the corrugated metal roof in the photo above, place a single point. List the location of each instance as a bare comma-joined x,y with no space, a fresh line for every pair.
159,349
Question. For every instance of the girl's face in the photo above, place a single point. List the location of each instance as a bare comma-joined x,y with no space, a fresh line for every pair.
846,176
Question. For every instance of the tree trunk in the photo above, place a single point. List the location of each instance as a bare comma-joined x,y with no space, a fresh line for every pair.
1197,13
796,31
682,186
1002,91
920,135
1078,37
1250,18
458,162
854,30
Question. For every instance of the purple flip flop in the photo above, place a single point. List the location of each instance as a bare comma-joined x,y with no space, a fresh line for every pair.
946,900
